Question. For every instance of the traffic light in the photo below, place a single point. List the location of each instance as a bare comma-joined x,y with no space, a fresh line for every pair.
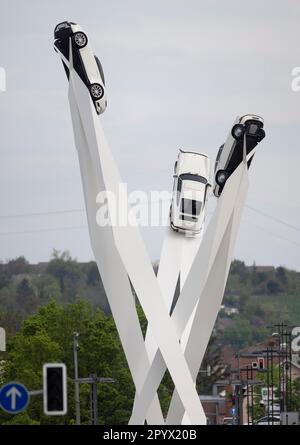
261,363
233,400
55,389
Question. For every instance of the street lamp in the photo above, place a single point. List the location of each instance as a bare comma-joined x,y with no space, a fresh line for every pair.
77,395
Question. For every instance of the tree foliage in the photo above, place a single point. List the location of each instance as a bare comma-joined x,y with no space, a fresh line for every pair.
48,337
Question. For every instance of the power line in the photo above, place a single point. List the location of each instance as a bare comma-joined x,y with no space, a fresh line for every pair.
54,212
274,218
274,234
54,229
57,212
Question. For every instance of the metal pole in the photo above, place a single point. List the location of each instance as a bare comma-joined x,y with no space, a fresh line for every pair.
241,416
95,403
268,385
238,388
94,400
286,372
272,386
248,395
279,368
77,394
91,403
290,369
252,397
283,371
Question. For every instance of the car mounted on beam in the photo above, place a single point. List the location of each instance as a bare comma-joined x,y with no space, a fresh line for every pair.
230,154
191,183
86,64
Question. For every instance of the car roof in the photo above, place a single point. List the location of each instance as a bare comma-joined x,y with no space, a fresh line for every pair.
64,23
193,152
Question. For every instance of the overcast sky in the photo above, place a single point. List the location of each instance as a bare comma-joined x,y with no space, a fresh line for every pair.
177,74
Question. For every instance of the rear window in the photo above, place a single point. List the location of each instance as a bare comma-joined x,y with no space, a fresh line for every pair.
190,206
61,26
253,129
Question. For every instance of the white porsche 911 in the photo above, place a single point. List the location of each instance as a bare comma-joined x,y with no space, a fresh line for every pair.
86,64
191,183
230,154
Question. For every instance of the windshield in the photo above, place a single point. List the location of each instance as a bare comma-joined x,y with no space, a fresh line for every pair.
61,26
190,177
190,206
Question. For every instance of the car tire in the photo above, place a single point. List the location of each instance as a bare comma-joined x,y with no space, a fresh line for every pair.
97,91
221,177
80,39
238,131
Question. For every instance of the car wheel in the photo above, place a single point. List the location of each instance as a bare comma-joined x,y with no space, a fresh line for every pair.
221,177
96,91
238,131
80,39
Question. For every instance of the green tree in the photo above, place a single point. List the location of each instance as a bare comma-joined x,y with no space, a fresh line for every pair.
17,266
273,287
66,270
211,368
239,334
47,337
92,274
281,275
4,279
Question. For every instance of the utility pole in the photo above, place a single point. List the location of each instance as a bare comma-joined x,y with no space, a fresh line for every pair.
94,400
77,396
93,380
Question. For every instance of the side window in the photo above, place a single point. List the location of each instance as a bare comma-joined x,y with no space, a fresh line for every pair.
219,155
179,187
205,194
100,69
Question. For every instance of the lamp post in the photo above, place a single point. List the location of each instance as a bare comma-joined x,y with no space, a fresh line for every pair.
77,396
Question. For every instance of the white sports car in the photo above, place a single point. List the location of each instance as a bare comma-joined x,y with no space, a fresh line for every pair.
191,182
230,154
86,64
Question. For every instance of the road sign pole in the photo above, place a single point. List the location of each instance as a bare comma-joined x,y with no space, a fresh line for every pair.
2,340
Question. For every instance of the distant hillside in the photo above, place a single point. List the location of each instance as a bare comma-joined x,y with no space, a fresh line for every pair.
259,295
25,287
263,296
